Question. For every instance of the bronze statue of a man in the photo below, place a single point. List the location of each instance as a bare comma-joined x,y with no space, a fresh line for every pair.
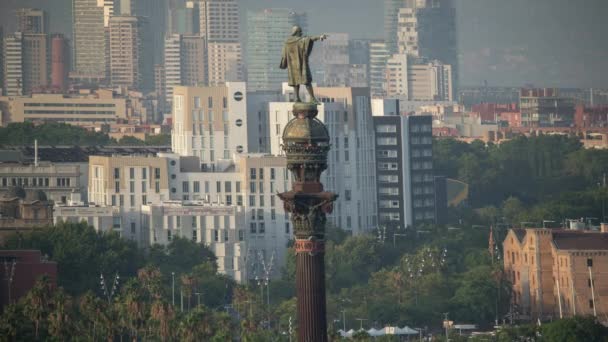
296,51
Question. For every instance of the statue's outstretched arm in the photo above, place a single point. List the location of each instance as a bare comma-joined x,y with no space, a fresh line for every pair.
321,37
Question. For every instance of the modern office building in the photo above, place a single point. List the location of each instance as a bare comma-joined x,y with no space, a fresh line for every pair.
153,16
267,31
210,122
125,51
404,161
351,166
172,66
378,56
13,64
31,20
90,20
544,107
101,107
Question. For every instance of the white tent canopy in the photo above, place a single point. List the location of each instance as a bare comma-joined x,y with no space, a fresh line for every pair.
384,331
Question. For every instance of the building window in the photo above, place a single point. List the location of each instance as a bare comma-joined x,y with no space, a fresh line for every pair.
590,303
132,200
347,195
273,214
116,173
589,262
185,186
157,173
143,186
216,235
241,235
252,173
131,186
251,201
287,228
227,187
197,102
121,200
117,186
253,228
132,227
260,214
210,102
272,173
132,173
252,187
169,235
157,187
196,185
272,200
228,199
262,229
144,173
206,187
113,200
261,201
238,187
144,199
194,235
239,200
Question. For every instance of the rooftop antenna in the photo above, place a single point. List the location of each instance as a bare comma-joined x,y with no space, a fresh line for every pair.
36,152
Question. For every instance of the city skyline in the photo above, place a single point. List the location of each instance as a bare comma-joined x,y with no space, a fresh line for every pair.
501,43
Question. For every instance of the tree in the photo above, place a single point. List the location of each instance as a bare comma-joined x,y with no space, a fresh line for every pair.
575,329
37,302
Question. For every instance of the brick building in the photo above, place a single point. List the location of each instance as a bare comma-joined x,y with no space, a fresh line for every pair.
557,273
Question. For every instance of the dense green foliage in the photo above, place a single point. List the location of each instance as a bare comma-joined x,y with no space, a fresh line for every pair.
547,177
56,134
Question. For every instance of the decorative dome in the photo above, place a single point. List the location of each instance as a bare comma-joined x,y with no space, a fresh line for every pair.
35,195
14,192
305,127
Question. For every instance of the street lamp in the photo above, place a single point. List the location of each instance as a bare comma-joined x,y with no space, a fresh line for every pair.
104,288
173,288
9,276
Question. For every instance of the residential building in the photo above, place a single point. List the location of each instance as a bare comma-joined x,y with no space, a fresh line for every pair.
103,219
193,61
557,272
405,178
418,79
219,20
21,211
126,183
125,51
544,107
90,20
378,56
267,31
13,64
258,125
78,109
31,20
219,227
225,62
172,67
590,116
351,166
210,122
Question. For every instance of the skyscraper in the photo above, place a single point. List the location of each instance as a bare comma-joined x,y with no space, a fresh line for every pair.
90,18
418,79
172,69
219,20
153,16
13,64
225,62
35,61
31,20
59,62
378,56
125,51
193,61
267,31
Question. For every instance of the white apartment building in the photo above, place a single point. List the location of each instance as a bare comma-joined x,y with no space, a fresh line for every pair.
250,182
351,164
210,122
417,79
125,183
101,217
219,227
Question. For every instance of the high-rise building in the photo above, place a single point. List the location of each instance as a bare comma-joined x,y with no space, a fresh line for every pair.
125,51
427,28
1,62
193,61
185,20
404,161
153,16
358,51
13,64
59,62
35,61
172,66
31,20
160,86
219,20
351,165
417,79
378,56
225,62
333,51
90,17
210,122
267,31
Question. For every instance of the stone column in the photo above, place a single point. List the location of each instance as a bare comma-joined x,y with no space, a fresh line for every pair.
306,144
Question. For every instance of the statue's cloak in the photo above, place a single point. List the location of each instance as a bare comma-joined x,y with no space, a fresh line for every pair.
296,51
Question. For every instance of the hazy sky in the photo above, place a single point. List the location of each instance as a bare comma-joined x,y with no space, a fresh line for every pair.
506,42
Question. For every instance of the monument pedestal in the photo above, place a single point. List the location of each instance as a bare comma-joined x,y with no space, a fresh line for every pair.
306,144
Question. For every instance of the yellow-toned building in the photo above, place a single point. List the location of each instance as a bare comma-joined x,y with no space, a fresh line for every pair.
79,109
557,273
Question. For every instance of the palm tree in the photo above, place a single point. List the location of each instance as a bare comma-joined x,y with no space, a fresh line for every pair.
188,286
37,303
92,309
162,314
151,280
60,316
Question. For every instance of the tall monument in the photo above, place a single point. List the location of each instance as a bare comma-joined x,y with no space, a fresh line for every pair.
306,145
